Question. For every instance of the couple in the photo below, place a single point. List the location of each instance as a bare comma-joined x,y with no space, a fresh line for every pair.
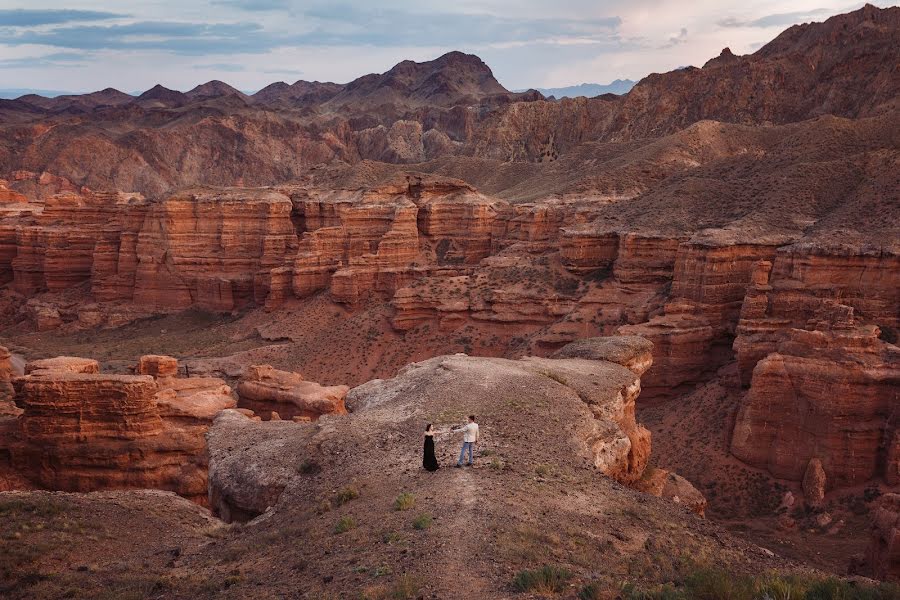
470,437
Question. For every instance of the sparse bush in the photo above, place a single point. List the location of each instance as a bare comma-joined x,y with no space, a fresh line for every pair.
344,524
591,591
391,537
543,470
549,579
404,501
345,495
422,522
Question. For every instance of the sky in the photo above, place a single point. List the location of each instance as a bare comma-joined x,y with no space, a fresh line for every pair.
87,45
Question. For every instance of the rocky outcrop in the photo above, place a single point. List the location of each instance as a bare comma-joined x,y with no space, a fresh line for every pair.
251,462
601,392
671,486
827,395
264,390
884,548
81,430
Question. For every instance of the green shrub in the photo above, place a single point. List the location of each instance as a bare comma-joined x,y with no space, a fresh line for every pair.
345,495
422,522
548,579
590,592
404,501
344,524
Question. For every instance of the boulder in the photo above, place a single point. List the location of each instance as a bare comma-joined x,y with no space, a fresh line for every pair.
265,389
157,366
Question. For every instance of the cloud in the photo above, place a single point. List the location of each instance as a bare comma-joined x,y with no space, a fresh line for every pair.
60,59
224,67
341,25
179,38
255,5
677,39
775,20
31,18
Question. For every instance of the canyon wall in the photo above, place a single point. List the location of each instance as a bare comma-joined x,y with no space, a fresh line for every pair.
81,430
438,252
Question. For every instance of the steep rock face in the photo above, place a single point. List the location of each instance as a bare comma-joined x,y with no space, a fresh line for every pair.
884,550
81,430
356,242
7,406
806,283
829,395
55,251
692,336
209,249
264,390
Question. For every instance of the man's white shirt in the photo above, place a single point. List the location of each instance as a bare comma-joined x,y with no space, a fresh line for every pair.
470,432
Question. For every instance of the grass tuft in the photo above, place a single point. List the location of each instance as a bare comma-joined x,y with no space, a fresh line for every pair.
549,579
422,522
404,501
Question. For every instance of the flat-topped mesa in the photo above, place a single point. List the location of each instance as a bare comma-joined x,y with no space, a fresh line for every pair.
264,390
81,430
830,395
212,248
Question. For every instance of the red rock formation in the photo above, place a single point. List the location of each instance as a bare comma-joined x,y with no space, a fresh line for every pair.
665,484
884,549
8,196
828,395
7,406
157,366
809,282
212,249
265,390
82,431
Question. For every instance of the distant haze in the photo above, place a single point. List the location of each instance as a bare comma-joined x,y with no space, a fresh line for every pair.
589,90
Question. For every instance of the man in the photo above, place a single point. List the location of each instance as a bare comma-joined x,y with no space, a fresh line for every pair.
470,437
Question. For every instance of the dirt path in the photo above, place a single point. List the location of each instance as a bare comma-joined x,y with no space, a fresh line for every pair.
460,570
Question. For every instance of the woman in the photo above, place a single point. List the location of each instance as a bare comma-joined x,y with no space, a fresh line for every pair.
429,460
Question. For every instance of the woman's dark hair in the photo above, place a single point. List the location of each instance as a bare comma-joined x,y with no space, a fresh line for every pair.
428,427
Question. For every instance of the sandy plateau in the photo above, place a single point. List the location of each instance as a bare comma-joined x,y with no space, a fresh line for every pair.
675,314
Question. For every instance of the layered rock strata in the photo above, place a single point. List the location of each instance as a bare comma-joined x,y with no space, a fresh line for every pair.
81,430
828,395
265,390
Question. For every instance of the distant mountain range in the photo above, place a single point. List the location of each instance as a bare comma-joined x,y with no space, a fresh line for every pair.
589,90
10,93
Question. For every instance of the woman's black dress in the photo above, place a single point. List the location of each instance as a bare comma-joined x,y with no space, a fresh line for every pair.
429,460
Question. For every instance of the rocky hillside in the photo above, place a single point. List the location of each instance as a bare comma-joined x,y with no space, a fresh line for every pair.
451,106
